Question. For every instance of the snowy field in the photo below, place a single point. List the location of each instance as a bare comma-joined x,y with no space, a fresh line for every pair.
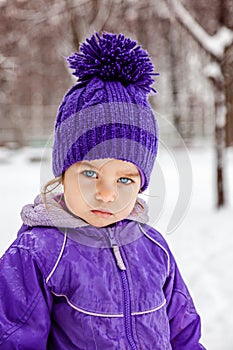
202,243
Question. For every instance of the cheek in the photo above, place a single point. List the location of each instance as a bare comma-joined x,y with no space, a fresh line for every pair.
127,196
129,191
86,189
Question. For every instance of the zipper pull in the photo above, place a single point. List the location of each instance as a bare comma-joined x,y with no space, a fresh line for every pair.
118,257
116,250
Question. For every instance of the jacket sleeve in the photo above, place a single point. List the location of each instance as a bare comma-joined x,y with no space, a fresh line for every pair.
185,325
25,302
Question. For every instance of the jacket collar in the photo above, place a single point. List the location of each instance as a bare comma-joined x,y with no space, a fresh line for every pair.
54,213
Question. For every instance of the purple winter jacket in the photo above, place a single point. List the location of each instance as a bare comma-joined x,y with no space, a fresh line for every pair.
65,284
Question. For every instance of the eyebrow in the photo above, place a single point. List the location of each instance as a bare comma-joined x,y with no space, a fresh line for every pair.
89,165
121,172
125,173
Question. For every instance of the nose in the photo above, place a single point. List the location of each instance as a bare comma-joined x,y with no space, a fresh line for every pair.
106,193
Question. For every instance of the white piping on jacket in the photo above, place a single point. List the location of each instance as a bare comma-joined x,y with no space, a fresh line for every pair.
58,259
149,311
153,240
84,311
107,315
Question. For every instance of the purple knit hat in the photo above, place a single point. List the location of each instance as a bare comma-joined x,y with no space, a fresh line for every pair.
107,113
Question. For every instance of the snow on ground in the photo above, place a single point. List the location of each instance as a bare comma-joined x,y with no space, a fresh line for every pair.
202,243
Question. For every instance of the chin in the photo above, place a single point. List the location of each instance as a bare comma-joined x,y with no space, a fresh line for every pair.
103,222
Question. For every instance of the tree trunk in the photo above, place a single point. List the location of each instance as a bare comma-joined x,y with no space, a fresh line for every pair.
220,139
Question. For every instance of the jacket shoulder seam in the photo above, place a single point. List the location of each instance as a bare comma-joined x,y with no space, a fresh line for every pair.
45,266
34,255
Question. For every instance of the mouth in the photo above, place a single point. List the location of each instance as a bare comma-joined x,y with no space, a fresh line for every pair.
101,213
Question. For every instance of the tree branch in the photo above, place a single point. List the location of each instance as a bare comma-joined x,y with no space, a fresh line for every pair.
216,44
102,15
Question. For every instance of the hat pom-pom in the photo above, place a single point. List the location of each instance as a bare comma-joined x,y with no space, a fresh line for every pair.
113,58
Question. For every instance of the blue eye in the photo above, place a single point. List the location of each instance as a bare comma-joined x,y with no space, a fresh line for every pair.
90,173
125,180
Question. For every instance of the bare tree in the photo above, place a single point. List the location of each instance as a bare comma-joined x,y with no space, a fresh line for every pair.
216,46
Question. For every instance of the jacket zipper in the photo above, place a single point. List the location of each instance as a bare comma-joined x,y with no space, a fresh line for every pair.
126,292
127,310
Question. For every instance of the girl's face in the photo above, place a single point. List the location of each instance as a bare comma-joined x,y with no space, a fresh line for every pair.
101,191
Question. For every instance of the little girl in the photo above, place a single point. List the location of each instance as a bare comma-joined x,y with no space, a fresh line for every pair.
86,271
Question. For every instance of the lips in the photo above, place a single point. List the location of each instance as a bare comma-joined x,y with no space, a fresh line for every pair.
101,213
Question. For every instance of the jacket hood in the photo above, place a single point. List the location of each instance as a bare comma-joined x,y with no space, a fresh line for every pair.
54,213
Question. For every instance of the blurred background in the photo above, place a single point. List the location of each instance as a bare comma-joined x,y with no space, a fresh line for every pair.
191,46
